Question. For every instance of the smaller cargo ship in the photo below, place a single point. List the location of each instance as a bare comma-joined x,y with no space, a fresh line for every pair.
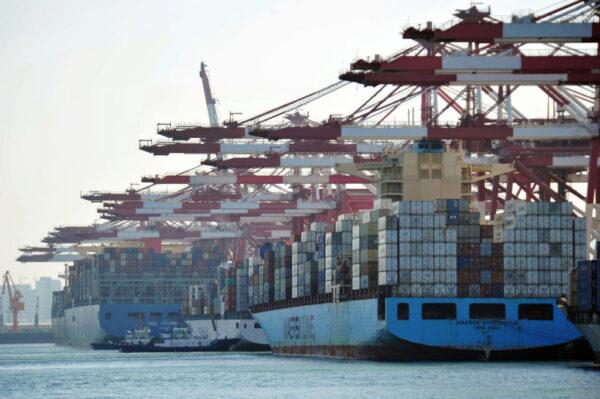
109,294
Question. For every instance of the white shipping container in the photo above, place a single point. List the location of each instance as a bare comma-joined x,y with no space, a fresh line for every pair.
428,276
416,290
428,290
417,262
416,276
404,263
451,234
318,227
404,235
404,276
387,278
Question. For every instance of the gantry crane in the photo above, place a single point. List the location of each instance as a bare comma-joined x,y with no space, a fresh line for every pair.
210,100
264,179
15,305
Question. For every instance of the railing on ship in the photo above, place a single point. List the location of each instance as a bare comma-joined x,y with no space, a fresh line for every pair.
345,294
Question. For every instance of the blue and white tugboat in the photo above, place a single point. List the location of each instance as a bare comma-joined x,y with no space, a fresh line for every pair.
180,339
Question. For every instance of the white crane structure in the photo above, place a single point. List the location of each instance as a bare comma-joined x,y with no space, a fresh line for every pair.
210,100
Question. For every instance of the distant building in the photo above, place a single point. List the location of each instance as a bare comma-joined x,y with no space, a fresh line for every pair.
43,290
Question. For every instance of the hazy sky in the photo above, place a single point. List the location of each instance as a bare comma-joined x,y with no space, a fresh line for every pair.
82,81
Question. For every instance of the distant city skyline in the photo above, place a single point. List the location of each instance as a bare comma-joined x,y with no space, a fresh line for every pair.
42,289
84,81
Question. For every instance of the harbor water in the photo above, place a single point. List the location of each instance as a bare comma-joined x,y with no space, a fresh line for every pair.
47,371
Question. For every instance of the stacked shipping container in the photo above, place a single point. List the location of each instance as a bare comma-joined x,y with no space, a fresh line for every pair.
338,250
283,271
242,286
305,261
229,290
365,256
541,241
138,275
254,289
441,248
427,242
587,284
267,276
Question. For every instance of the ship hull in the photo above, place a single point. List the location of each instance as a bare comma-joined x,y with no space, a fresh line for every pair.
358,330
82,326
252,338
220,345
30,337
100,326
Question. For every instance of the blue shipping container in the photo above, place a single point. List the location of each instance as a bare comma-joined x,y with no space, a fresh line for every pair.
597,288
584,285
453,205
453,219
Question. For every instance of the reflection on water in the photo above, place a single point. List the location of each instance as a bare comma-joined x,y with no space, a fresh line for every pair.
48,371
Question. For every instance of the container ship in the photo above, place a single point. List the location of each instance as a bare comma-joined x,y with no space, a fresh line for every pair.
426,279
113,292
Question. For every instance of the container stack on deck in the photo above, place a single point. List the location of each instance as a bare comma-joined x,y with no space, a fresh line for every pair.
242,286
440,248
338,250
254,290
541,240
365,250
428,234
319,229
305,261
267,276
283,271
138,275
388,250
587,284
229,290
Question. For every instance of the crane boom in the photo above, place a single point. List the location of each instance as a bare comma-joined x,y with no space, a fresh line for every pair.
210,101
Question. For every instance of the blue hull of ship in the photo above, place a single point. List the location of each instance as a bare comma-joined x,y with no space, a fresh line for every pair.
119,321
353,329
87,324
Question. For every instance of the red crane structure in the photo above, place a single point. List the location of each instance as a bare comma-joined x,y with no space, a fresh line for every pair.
474,82
15,305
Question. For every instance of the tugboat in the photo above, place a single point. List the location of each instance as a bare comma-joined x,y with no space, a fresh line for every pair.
139,338
180,339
